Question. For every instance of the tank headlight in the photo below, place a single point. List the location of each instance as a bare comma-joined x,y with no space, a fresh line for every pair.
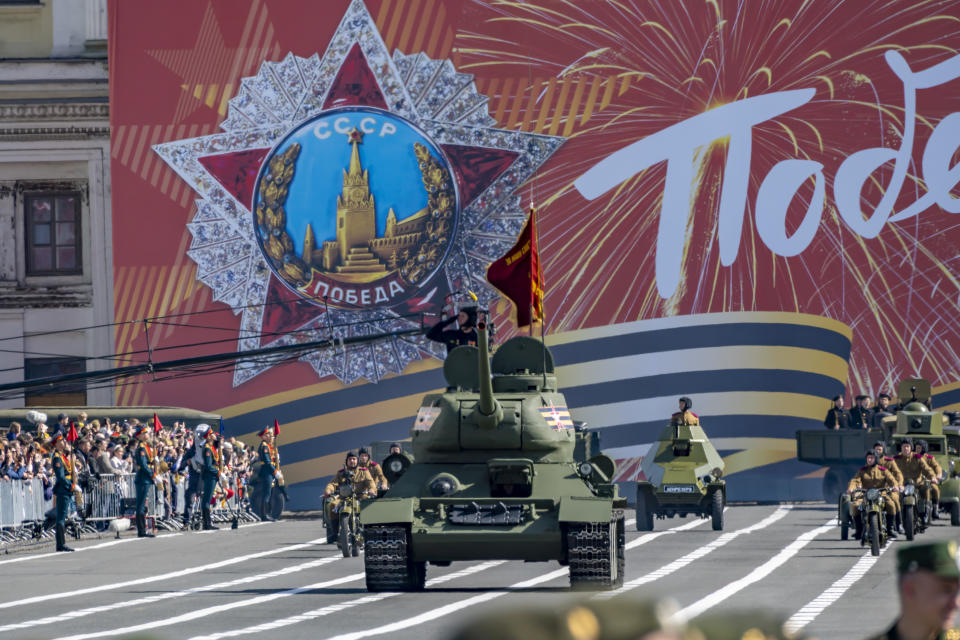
345,490
873,494
585,469
396,466
444,485
707,479
717,472
909,490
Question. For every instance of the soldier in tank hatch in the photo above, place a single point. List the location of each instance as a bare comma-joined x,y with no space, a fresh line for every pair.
685,417
466,334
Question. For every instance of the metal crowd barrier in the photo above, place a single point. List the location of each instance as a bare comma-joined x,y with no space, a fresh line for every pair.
114,496
21,501
108,497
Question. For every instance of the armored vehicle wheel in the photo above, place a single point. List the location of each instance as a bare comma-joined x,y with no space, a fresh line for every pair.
716,514
387,562
873,533
595,553
644,513
909,523
346,536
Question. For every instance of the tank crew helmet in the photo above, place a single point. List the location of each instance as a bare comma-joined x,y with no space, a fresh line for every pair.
350,454
870,454
687,402
395,445
363,450
905,441
921,446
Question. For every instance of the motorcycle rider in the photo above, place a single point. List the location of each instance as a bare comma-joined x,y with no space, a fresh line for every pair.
890,465
363,485
872,476
376,472
914,468
923,448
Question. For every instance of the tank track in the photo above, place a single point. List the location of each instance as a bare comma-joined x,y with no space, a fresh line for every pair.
386,560
596,561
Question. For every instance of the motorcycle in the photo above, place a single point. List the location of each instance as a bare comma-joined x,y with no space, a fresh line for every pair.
348,513
915,510
871,514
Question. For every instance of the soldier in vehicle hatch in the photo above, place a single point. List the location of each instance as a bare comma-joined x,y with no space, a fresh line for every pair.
872,476
928,581
685,417
837,417
466,334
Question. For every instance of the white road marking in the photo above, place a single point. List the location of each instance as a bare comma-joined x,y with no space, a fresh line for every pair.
334,608
809,612
439,612
650,537
208,611
116,542
698,553
161,577
78,550
761,572
80,613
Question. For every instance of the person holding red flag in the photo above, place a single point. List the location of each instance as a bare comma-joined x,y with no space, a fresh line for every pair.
145,479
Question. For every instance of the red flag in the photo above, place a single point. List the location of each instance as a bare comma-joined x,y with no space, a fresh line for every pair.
72,435
276,427
517,275
156,424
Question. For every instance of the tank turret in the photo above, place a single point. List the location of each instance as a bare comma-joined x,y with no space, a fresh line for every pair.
494,477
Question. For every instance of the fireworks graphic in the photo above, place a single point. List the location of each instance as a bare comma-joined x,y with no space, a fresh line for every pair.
641,67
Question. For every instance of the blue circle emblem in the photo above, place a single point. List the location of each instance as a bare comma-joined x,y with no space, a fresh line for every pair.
356,208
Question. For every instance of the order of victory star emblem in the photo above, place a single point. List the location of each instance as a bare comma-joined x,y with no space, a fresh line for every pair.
350,193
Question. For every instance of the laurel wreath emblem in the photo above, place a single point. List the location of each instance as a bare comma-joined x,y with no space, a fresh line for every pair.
414,266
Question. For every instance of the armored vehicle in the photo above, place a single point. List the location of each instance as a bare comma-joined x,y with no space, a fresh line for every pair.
493,477
917,421
682,475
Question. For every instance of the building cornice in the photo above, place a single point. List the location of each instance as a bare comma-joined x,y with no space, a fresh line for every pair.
54,111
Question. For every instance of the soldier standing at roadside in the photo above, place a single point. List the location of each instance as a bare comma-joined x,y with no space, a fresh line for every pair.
928,581
209,475
145,479
269,472
63,488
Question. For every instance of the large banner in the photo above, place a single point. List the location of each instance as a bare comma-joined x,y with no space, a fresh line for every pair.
751,205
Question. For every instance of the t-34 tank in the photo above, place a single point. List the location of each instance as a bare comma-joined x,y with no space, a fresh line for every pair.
682,473
495,478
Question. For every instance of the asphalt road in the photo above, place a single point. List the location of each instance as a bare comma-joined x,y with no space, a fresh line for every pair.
281,580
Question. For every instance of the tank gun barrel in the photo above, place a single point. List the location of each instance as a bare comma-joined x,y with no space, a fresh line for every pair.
489,412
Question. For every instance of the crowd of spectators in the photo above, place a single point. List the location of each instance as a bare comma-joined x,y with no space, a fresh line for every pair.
106,447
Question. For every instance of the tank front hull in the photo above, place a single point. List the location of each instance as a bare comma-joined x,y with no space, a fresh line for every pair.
539,541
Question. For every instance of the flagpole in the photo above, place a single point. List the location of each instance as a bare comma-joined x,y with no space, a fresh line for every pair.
539,280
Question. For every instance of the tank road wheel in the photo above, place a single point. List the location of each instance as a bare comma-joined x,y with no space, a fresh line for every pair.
716,512
955,514
387,562
644,513
595,554
873,533
909,522
346,535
